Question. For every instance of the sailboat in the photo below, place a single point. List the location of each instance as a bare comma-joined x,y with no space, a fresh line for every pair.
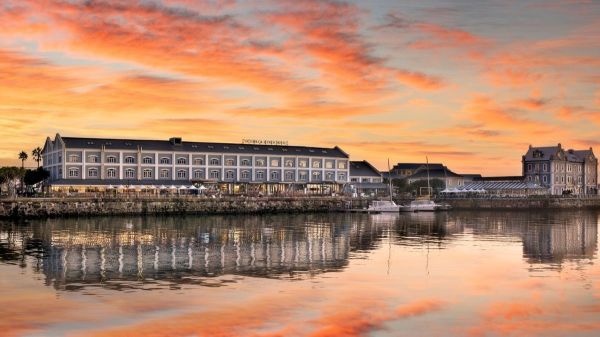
424,204
385,205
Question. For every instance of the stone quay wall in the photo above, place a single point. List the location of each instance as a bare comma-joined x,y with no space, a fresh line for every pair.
73,206
523,203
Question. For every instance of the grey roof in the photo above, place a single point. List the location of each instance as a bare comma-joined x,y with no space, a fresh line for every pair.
442,172
363,169
166,145
500,185
547,152
413,166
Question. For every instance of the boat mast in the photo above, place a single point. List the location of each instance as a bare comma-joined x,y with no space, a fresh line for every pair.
428,187
390,180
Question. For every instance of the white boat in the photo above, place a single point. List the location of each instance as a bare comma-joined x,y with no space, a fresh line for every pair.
383,206
424,206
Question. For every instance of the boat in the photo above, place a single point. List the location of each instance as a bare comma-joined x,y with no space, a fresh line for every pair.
424,205
384,205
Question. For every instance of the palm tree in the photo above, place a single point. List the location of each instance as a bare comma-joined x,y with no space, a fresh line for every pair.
23,157
37,155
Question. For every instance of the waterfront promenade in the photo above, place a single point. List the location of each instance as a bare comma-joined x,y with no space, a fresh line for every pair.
146,204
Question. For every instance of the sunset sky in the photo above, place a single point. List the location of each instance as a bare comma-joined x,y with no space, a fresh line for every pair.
467,83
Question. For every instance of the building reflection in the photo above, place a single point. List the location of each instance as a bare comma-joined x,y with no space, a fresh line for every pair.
73,253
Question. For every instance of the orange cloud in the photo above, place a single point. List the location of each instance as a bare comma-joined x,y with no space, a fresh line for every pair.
419,80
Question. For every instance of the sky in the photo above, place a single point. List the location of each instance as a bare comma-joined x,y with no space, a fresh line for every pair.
467,83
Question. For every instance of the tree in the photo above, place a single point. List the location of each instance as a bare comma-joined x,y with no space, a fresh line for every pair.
8,175
37,155
23,157
33,177
435,184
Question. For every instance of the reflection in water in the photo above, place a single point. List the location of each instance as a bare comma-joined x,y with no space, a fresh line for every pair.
74,252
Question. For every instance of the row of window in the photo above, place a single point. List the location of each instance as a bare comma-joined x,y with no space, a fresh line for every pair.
213,161
558,167
199,174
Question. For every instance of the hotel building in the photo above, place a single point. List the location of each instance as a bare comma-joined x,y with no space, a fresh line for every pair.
561,170
95,164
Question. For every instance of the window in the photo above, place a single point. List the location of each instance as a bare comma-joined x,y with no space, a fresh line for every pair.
164,173
165,160
316,175
245,162
545,179
147,173
529,167
229,174
111,159
328,164
181,161
59,158
198,174
214,161
545,167
73,172
93,159
92,173
230,162
302,163
341,176
129,160
111,173
245,174
260,175
260,162
129,173
181,174
316,163
329,175
303,176
147,160
341,164
289,176
289,163
274,175
275,162
579,179
73,158
214,174
198,161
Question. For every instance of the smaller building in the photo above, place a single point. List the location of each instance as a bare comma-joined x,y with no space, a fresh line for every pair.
365,179
498,188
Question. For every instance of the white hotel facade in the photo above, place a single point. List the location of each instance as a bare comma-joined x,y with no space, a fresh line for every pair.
95,164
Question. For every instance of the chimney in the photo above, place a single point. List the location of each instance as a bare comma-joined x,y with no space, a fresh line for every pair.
559,146
175,140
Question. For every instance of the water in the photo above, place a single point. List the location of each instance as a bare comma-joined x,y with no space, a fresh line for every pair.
444,274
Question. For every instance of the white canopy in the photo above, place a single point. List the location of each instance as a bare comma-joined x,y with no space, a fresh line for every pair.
202,187
182,187
121,187
193,187
162,187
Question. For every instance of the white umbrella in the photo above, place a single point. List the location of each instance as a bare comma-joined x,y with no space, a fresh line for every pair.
121,187
182,187
110,186
142,187
193,187
173,187
152,187
202,187
162,187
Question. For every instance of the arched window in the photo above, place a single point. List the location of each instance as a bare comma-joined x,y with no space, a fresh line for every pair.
198,161
274,175
302,163
229,174
260,162
164,173
245,174
111,173
93,173
181,161
303,176
289,176
181,174
214,161
260,175
316,175
341,176
93,159
316,163
129,173
245,162
73,172
111,159
147,173
73,158
329,175
214,174
129,160
230,162
275,162
165,160
198,174
147,160
289,163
